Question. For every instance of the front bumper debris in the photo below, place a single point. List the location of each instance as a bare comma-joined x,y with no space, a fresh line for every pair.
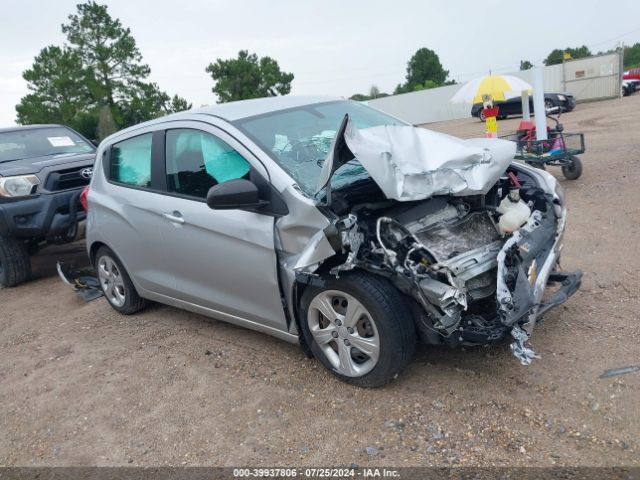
526,267
570,283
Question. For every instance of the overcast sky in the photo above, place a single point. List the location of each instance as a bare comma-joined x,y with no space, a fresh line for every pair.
334,47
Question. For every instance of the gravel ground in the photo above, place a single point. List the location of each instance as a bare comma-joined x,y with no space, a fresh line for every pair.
81,385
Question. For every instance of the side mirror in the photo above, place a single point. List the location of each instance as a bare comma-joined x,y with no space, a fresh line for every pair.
234,194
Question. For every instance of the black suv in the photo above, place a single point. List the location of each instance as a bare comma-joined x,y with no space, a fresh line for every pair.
43,170
513,106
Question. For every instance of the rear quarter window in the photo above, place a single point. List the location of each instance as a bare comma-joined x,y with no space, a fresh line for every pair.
130,161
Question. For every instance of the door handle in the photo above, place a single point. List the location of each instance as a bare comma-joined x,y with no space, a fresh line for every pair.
175,217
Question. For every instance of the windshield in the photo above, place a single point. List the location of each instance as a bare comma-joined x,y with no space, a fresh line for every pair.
38,142
299,139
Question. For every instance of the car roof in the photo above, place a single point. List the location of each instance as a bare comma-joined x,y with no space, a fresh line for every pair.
258,106
30,127
233,111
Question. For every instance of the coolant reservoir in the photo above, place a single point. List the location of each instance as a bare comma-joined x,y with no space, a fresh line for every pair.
515,212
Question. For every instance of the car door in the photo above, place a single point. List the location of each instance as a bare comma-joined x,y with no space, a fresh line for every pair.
223,260
510,107
130,211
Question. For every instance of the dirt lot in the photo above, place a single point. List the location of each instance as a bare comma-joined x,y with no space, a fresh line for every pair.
81,385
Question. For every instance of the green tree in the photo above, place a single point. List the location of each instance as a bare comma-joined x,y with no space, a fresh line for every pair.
147,102
525,65
248,77
556,56
425,86
108,50
106,123
424,66
57,82
178,104
632,56
87,124
100,66
374,92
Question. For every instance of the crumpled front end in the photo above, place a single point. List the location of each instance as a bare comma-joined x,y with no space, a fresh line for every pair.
527,264
474,258
409,163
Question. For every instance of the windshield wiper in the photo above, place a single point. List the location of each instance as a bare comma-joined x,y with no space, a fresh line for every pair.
55,153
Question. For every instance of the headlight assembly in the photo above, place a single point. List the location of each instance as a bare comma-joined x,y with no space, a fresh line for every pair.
21,186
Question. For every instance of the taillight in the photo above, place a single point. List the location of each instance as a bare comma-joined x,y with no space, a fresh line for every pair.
84,198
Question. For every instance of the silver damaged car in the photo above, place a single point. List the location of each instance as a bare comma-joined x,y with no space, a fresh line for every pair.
330,224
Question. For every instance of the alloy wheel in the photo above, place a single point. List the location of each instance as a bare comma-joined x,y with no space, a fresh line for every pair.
345,332
111,281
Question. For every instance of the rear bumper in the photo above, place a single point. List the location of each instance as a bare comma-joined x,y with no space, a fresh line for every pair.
41,216
569,104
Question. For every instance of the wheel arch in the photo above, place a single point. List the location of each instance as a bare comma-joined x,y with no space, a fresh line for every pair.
300,284
93,249
297,290
387,307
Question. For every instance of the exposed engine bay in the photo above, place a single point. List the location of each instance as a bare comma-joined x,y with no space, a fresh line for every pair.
474,277
471,237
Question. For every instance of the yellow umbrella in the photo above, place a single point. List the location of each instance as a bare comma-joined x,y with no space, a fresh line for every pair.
500,87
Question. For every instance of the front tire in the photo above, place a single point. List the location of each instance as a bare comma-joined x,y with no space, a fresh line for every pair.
359,327
573,170
116,284
15,264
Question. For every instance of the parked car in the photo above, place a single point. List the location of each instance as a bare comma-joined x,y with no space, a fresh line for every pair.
633,74
258,213
43,169
513,106
629,87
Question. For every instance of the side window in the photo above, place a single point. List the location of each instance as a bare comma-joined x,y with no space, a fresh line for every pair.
131,161
196,161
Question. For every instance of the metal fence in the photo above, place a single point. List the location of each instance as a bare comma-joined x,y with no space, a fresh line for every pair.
591,78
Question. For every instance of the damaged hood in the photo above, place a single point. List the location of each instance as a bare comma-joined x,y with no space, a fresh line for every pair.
410,163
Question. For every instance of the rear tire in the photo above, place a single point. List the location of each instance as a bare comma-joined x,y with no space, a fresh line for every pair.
15,264
116,284
574,170
482,117
359,309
